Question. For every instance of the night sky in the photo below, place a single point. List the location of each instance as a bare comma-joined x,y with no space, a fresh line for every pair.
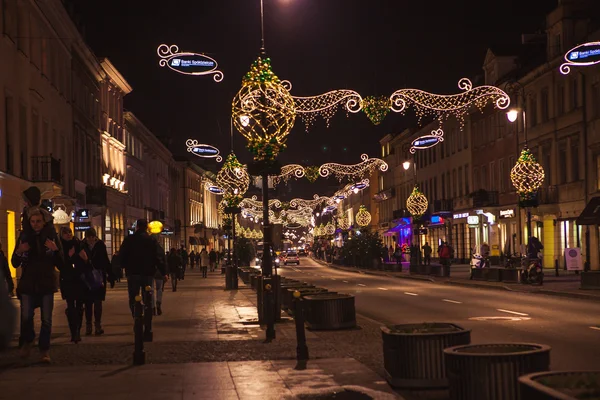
373,47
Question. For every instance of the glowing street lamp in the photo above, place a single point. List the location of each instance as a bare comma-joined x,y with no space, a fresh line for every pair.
406,165
512,114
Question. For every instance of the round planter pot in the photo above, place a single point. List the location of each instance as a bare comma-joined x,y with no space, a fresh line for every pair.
413,354
288,295
560,385
491,371
330,311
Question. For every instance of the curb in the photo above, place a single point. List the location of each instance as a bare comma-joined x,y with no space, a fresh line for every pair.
581,296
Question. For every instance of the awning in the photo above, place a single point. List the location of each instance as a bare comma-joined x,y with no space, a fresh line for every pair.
591,213
393,231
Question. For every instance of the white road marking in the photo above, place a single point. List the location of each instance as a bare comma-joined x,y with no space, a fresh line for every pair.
345,281
452,301
512,312
595,328
382,288
411,294
333,279
360,284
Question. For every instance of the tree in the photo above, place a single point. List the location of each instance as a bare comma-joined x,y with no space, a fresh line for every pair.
363,249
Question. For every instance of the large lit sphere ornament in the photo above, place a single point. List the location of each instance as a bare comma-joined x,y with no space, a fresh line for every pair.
343,222
527,175
263,111
417,203
363,217
329,229
234,180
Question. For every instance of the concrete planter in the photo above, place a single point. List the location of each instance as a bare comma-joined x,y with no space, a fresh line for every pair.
560,385
439,270
330,311
590,280
491,371
290,310
479,274
413,268
511,275
413,354
494,274
288,295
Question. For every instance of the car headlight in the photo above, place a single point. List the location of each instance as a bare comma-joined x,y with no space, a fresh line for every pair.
277,260
257,259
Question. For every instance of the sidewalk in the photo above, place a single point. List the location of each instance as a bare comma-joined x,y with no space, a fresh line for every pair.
207,345
566,284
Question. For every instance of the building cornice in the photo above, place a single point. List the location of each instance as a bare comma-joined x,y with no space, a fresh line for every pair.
115,76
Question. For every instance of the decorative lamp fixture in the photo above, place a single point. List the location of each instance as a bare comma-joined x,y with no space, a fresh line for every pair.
155,227
264,111
417,203
527,175
376,108
363,217
512,114
329,229
234,180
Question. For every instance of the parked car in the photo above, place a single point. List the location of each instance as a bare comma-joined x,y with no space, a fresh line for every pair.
302,253
291,258
274,257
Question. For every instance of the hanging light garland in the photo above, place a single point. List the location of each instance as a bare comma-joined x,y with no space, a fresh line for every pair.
263,111
444,106
256,205
363,217
326,105
417,203
355,171
376,108
527,175
289,171
311,173
312,204
234,180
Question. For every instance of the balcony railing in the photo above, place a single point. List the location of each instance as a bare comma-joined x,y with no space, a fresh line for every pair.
46,169
485,198
548,195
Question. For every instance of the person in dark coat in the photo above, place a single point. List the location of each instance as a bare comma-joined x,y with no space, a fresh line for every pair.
175,267
38,256
72,286
98,257
192,259
10,285
115,263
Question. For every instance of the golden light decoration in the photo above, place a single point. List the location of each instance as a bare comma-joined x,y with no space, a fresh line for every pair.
417,203
288,172
263,111
444,106
234,180
350,189
527,175
329,229
376,108
326,105
255,204
343,222
312,204
354,171
155,227
363,217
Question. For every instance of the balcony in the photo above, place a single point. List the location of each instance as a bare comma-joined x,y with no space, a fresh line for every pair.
443,206
46,169
548,195
485,198
384,195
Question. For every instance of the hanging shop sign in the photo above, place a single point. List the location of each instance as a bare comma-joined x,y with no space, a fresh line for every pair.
473,221
82,213
583,55
60,216
188,63
427,141
155,227
203,150
460,215
510,213
215,190
167,232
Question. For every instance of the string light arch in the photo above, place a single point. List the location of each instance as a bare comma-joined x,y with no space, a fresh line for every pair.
355,171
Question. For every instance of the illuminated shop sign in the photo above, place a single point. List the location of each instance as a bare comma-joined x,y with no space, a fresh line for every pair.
510,213
215,190
460,215
203,150
436,219
427,141
188,63
473,219
580,56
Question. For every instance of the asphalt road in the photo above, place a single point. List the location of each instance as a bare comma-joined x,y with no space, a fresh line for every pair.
567,325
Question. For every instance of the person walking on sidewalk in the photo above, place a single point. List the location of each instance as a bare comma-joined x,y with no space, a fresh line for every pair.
175,268
204,261
192,259
72,287
427,253
5,269
115,265
98,258
184,261
37,256
141,256
212,258
159,288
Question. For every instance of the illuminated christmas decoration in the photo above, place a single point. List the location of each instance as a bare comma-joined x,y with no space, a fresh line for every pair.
234,180
188,63
343,222
417,203
155,227
203,150
289,171
527,175
263,111
581,56
427,141
444,106
376,108
312,204
355,171
329,229
349,189
311,173
326,105
363,217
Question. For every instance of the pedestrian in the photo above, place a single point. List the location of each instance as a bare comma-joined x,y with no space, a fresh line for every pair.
204,262
427,253
445,254
5,269
398,255
8,315
141,256
159,288
212,258
98,260
184,261
484,251
38,256
72,286
115,266
175,268
192,259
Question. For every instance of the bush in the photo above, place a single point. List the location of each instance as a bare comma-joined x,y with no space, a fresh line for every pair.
244,251
361,250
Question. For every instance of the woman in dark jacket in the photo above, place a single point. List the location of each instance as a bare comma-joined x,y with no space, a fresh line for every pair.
96,252
72,286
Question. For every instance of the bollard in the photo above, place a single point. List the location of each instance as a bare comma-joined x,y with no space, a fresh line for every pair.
269,309
139,356
301,348
148,335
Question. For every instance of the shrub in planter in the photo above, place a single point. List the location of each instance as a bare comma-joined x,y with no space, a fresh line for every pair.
413,353
561,385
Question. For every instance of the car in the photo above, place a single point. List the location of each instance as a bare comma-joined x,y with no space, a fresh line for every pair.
276,260
302,253
291,258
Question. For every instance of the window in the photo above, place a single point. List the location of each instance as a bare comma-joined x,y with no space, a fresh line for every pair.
475,178
381,183
560,99
448,184
467,179
23,137
598,172
532,111
547,163
444,182
493,183
382,151
562,160
575,159
574,94
502,175
458,140
9,113
435,187
35,129
454,184
23,28
465,133
434,151
545,111
9,27
460,182
484,177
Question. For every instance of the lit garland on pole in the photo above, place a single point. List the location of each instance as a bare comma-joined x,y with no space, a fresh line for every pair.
444,106
527,175
363,217
233,180
376,108
356,171
417,203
